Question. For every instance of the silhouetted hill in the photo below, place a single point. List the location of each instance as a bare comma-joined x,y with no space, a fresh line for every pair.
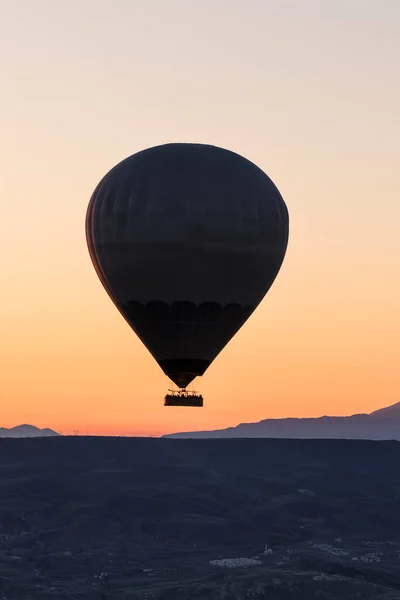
392,412
26,431
382,424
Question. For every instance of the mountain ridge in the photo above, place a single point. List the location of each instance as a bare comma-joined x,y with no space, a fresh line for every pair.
381,424
26,430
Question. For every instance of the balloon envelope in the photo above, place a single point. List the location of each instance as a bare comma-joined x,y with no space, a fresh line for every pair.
186,239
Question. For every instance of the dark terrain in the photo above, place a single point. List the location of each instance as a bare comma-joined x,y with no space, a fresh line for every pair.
97,518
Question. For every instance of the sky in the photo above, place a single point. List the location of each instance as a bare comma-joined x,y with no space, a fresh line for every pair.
309,91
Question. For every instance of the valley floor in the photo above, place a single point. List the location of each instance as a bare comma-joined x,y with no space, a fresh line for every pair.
138,518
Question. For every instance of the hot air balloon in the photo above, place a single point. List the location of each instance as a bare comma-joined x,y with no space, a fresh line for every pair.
186,239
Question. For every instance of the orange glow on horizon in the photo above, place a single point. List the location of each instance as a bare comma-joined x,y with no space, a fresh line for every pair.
295,97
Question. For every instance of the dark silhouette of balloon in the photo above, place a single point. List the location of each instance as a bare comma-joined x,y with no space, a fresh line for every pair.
187,239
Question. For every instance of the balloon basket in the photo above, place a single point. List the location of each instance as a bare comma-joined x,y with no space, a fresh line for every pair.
183,398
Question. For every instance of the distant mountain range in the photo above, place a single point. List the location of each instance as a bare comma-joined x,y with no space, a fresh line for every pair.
383,424
26,431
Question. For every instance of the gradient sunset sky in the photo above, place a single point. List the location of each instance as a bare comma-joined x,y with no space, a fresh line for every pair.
309,90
